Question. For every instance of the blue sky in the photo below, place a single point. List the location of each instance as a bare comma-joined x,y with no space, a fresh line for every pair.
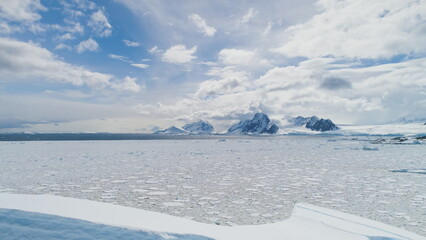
132,65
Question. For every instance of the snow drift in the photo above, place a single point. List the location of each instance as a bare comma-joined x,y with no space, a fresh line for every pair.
306,222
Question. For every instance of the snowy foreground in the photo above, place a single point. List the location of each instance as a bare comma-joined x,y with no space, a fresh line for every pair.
230,181
306,222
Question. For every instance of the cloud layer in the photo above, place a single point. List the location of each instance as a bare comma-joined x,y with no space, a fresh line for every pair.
351,61
27,61
360,29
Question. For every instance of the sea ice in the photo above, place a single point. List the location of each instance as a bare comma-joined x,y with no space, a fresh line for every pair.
236,178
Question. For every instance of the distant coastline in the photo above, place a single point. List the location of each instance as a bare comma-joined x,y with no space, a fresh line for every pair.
104,136
91,136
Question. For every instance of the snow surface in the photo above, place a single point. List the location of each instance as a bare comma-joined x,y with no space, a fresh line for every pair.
231,181
307,222
17,224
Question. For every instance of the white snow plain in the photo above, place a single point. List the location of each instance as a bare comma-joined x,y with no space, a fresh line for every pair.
230,181
307,222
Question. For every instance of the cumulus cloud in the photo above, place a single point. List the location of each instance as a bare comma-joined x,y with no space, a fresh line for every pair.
241,57
202,25
236,56
87,45
128,84
360,29
66,36
385,90
75,27
21,60
179,54
100,25
226,80
21,10
130,43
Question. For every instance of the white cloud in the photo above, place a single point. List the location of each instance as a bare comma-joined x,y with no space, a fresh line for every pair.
66,36
226,80
268,28
119,57
240,57
140,65
360,29
21,10
128,84
100,25
62,46
202,25
76,28
69,28
249,15
7,29
127,60
36,27
236,56
385,92
85,4
179,54
130,43
87,45
154,50
27,61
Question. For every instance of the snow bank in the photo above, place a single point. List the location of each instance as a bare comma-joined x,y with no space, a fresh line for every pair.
306,222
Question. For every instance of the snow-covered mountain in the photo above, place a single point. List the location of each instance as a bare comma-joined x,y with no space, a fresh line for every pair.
199,127
413,118
172,130
314,123
258,125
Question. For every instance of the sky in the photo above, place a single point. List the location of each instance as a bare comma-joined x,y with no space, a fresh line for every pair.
139,65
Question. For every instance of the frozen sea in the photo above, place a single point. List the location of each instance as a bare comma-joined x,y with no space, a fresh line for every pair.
229,181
